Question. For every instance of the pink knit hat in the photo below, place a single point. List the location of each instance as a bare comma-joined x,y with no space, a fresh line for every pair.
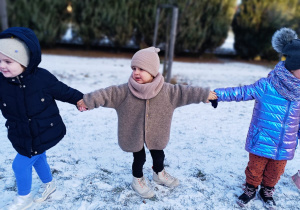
147,59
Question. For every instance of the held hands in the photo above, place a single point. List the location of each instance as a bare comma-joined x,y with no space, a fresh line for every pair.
81,106
213,99
211,96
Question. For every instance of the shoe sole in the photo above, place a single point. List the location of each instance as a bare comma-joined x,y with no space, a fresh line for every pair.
23,208
40,200
160,183
244,205
241,204
141,194
26,207
260,198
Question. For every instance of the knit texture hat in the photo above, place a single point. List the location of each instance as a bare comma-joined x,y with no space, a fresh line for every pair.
147,59
286,42
15,49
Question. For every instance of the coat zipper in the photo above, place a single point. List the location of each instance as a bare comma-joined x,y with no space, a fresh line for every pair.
19,80
283,130
21,86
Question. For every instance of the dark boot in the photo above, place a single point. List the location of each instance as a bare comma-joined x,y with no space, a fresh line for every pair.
266,195
248,195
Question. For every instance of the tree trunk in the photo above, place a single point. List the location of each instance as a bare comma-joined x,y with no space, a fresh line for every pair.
3,15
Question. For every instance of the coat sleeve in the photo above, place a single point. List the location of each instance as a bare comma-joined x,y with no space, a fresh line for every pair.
181,95
110,97
243,93
60,91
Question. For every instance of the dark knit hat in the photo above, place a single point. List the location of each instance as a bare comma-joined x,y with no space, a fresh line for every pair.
15,49
147,59
286,42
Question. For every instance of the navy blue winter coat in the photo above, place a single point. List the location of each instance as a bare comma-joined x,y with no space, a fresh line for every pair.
28,101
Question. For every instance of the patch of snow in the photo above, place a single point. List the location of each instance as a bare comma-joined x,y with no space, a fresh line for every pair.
206,149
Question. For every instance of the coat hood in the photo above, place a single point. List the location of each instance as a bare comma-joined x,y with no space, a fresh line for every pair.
29,38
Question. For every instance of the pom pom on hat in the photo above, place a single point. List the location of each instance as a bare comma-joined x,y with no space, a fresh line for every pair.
147,59
15,49
286,42
282,37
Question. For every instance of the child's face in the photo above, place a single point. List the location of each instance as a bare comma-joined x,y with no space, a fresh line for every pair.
296,73
141,76
9,67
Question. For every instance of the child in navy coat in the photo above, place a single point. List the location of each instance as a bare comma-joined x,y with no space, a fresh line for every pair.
27,101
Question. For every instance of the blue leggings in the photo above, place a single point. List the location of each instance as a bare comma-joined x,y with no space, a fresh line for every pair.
22,167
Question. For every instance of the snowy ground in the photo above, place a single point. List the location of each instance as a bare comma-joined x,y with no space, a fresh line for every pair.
206,149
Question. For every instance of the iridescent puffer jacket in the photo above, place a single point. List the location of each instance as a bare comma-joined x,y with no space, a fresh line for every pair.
274,128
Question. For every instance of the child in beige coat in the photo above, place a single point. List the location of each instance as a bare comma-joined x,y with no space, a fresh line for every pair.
145,106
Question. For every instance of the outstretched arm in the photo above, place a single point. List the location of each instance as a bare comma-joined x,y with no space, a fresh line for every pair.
65,93
110,97
243,93
57,89
181,95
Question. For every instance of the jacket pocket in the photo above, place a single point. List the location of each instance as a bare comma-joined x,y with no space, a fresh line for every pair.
9,105
12,132
256,133
38,102
51,129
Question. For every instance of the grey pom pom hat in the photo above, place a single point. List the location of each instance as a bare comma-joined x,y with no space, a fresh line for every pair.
286,42
15,49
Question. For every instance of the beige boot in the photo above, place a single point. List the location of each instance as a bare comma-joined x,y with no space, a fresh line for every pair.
139,185
166,179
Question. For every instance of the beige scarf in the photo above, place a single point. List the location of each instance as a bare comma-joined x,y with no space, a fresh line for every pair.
147,90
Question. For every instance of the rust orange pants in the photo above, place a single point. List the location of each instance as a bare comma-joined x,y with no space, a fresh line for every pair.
261,170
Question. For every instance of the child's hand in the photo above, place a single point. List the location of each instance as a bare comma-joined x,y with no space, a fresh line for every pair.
81,106
213,99
211,96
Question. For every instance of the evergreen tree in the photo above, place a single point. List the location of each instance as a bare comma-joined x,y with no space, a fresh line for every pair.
255,23
296,22
87,17
201,24
46,18
98,19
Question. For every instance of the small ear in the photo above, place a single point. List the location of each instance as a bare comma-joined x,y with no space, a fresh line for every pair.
282,37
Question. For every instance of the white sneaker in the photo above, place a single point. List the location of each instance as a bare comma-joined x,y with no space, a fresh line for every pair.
140,186
44,192
21,202
166,179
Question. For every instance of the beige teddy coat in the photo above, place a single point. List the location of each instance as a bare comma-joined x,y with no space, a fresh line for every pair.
145,121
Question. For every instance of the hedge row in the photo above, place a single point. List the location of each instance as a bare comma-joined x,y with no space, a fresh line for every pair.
201,25
256,21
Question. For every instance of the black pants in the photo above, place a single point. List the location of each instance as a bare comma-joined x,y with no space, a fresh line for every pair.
139,159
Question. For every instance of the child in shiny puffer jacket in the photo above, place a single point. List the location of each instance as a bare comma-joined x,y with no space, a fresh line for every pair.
274,129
